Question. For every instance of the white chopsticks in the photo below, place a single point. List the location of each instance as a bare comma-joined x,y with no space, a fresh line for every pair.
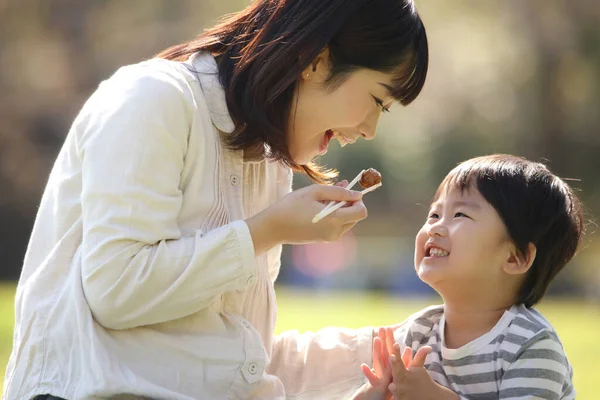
332,206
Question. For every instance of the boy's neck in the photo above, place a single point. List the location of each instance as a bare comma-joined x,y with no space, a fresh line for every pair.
465,323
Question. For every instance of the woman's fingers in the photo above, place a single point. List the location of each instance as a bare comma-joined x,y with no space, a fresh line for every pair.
291,218
378,362
370,375
389,333
350,216
384,349
354,213
335,193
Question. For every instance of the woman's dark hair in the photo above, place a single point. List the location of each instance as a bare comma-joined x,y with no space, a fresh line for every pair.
536,207
262,50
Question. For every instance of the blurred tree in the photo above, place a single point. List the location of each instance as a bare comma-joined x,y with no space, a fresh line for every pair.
513,76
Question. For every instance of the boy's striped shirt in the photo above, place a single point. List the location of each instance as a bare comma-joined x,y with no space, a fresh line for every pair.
520,358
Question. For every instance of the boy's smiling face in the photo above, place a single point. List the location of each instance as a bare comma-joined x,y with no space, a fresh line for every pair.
463,247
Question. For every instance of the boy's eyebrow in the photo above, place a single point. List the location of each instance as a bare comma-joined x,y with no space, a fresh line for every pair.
468,204
460,203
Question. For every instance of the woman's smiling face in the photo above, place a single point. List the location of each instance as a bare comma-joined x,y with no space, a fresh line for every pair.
348,111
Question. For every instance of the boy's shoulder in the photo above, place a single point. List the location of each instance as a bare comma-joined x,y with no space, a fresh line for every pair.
428,316
527,326
528,323
531,348
420,325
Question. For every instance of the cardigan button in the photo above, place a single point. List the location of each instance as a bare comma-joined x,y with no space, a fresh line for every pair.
234,180
253,368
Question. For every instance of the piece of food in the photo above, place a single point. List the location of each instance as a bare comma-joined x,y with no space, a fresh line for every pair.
369,178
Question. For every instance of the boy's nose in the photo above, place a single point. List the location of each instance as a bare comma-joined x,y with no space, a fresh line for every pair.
437,229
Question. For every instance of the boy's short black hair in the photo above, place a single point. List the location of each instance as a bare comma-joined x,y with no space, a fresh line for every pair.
536,206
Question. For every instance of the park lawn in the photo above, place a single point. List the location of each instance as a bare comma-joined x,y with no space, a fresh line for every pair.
577,323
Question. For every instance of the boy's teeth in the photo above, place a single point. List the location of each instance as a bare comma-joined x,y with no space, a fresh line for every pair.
434,251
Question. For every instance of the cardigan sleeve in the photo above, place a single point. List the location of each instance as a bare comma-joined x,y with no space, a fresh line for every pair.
323,364
137,266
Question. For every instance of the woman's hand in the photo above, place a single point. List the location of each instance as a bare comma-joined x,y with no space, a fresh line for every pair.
380,377
289,221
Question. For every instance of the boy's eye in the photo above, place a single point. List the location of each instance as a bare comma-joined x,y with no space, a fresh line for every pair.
459,214
433,215
379,102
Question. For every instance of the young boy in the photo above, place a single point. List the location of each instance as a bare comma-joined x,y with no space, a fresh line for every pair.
499,230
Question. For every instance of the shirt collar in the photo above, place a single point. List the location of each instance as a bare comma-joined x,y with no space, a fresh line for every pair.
207,71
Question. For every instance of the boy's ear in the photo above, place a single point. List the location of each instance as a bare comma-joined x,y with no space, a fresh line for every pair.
518,263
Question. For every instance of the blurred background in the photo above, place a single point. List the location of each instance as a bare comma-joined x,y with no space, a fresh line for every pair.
512,76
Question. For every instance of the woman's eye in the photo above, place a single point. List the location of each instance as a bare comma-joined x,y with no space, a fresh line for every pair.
379,103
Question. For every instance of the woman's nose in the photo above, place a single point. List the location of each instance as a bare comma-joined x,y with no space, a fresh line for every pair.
368,134
368,129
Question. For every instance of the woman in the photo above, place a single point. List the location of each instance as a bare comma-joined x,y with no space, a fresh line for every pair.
150,269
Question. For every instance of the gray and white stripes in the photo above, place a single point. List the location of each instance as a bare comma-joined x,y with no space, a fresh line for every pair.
521,357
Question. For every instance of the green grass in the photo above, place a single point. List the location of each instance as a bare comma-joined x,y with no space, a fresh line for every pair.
577,323
7,321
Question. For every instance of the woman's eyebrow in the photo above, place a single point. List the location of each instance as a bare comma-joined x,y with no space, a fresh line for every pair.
387,87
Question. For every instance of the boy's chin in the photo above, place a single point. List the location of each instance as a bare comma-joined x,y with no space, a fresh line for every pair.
423,275
430,276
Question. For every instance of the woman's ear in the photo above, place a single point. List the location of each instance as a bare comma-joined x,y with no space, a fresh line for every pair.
518,263
318,69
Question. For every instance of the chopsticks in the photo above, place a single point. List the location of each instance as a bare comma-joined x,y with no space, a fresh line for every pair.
332,206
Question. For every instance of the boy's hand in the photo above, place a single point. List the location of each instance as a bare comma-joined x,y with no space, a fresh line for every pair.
414,382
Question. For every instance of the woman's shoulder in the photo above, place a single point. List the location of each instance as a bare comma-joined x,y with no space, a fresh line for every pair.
152,87
143,97
155,77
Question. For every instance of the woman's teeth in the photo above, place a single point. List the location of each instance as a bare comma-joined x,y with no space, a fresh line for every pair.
435,252
330,134
343,140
